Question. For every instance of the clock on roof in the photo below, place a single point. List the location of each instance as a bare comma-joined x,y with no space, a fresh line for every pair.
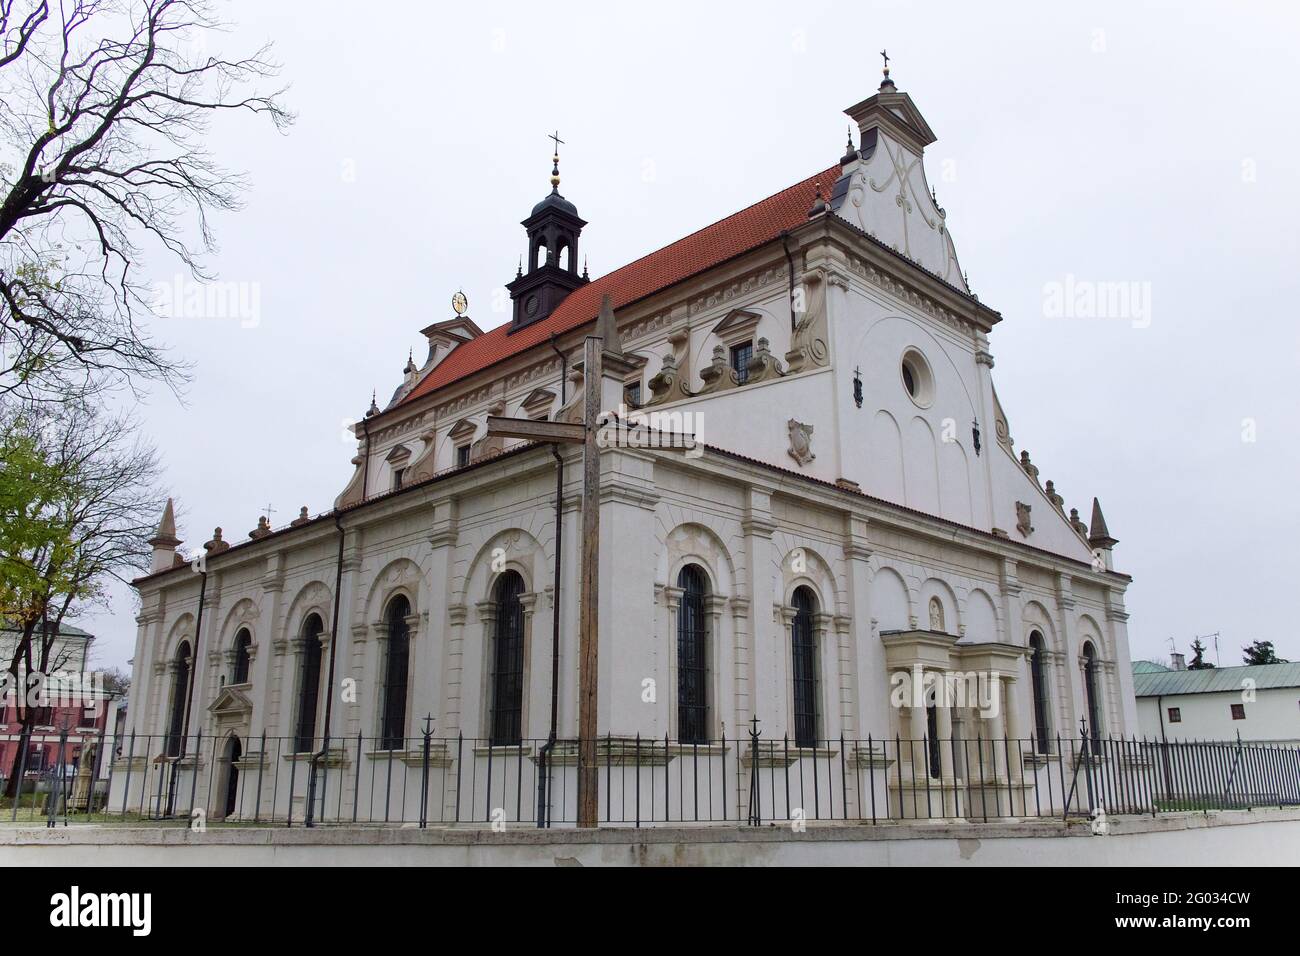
459,303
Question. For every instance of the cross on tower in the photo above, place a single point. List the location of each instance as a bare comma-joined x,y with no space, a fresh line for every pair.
885,54
556,136
269,510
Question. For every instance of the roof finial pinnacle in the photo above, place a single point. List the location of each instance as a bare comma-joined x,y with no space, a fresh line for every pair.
886,82
555,162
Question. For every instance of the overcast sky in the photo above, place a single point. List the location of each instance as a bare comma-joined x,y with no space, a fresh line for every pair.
1112,144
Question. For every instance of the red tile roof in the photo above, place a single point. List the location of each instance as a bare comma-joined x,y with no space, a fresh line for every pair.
725,239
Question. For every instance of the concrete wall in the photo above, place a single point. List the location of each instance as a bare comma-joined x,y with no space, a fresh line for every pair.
1257,838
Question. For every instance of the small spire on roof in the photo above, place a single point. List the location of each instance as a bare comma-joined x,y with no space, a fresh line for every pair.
166,533
584,269
374,406
850,154
819,204
1098,533
886,83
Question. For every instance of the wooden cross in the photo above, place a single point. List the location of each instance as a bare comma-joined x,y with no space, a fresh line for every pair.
593,435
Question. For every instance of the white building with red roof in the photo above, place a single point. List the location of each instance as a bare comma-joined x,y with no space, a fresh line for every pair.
854,514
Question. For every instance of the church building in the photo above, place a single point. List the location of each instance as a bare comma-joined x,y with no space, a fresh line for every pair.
851,520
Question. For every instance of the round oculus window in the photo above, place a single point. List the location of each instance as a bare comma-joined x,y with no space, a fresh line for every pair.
918,380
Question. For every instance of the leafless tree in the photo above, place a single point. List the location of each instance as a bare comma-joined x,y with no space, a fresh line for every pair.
104,107
102,512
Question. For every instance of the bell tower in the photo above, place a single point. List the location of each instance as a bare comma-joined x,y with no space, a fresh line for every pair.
553,228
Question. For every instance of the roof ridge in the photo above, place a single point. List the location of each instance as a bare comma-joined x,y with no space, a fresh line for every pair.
716,222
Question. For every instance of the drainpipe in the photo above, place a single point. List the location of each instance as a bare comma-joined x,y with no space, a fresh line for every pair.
543,816
329,682
789,258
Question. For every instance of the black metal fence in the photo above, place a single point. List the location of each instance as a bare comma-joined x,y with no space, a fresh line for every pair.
439,781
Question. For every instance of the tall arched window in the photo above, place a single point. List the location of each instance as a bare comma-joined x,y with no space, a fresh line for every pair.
309,683
804,646
692,658
1038,678
396,661
180,690
508,662
243,641
1090,689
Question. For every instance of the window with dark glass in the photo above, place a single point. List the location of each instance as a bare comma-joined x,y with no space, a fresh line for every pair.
932,741
804,649
1238,711
243,641
740,356
632,394
180,688
462,456
508,662
692,659
1090,689
396,662
1038,678
309,683
1175,715
398,475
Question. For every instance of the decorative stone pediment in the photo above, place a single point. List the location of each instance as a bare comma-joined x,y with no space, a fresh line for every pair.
737,327
462,431
232,704
398,456
538,403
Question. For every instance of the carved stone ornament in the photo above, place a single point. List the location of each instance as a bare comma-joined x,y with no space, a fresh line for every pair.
718,375
800,442
808,344
1022,519
763,365
668,385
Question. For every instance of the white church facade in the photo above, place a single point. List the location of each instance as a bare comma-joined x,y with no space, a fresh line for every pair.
854,514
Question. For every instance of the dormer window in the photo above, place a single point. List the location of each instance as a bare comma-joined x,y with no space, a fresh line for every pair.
737,331
462,456
740,356
398,459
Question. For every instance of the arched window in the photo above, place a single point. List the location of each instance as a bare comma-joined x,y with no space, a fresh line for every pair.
309,683
180,690
1038,677
1090,689
692,658
508,662
243,641
396,661
804,648
932,741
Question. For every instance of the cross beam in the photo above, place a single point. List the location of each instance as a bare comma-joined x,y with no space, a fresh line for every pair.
595,432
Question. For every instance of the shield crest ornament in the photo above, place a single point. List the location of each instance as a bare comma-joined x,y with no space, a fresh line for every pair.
800,441
1022,519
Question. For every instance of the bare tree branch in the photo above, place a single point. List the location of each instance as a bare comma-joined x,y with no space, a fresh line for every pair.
107,104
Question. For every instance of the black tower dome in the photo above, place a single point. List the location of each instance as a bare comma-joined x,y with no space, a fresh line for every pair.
553,227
